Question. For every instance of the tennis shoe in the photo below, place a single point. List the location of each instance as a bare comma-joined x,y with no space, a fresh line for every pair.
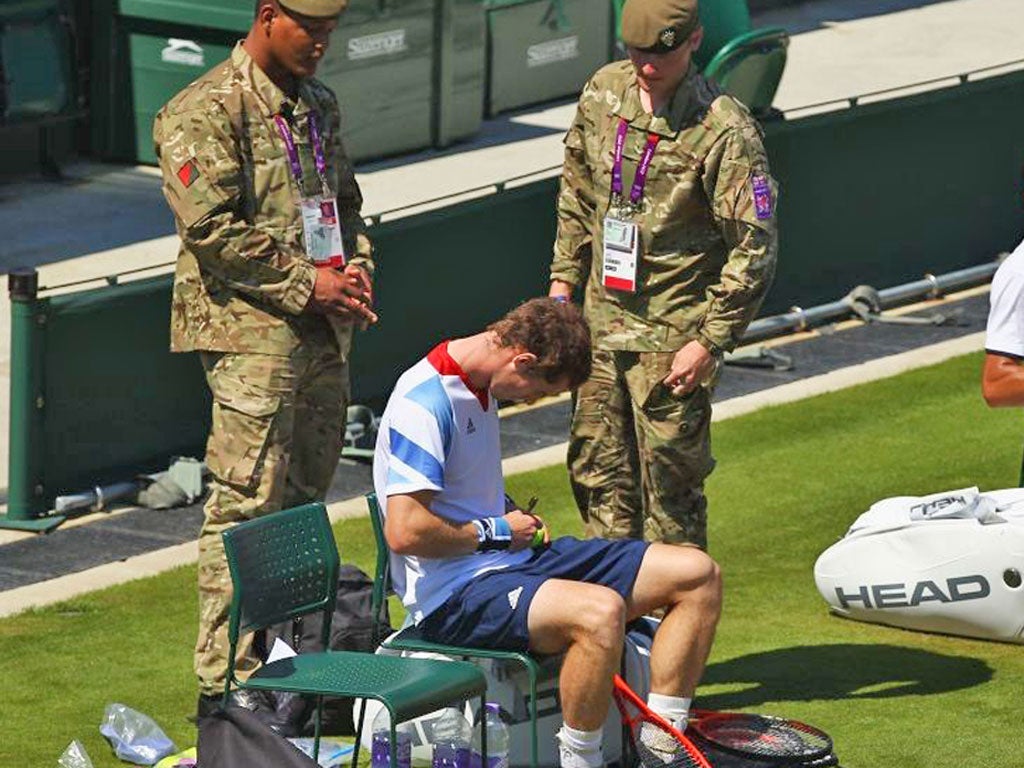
661,745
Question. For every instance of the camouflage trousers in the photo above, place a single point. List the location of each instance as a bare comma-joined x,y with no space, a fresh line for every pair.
638,455
274,443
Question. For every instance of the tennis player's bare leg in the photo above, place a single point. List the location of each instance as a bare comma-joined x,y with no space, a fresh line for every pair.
688,584
587,622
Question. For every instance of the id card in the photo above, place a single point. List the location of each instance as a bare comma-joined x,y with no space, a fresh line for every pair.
618,266
322,232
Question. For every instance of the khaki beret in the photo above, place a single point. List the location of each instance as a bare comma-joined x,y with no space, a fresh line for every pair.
318,9
658,24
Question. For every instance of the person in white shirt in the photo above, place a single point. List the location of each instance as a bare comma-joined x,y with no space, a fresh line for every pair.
1002,377
475,570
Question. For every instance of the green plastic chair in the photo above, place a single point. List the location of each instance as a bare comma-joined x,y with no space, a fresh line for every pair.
410,638
750,67
285,565
723,20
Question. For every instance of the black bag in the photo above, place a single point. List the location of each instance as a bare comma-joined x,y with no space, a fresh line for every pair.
351,630
236,738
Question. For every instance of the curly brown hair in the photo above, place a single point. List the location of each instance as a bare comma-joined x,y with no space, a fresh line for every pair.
552,330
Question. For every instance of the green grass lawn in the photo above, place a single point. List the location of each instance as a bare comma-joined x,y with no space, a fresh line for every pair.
789,481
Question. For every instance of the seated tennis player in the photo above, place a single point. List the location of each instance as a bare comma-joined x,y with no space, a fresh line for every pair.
472,571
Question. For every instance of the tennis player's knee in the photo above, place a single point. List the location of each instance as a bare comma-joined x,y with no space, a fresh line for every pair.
702,581
602,619
712,587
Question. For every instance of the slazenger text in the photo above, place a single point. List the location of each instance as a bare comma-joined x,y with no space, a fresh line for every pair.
380,44
552,51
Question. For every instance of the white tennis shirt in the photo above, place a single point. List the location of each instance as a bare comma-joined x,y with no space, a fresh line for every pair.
1004,333
439,434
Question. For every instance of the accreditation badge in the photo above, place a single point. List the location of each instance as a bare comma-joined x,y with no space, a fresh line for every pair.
322,231
618,265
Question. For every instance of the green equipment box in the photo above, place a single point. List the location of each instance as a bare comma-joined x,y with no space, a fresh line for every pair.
144,52
404,79
408,74
540,50
35,60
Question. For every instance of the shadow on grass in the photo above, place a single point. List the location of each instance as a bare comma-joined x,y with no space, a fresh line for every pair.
835,672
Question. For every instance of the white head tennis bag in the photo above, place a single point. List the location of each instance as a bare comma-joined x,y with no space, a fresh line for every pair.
950,562
508,685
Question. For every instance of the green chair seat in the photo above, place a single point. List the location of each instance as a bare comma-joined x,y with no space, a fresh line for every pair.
413,685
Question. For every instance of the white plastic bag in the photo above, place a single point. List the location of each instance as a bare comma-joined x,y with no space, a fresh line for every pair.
75,756
332,753
135,737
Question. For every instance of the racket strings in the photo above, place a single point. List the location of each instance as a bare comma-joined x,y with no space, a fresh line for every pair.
764,736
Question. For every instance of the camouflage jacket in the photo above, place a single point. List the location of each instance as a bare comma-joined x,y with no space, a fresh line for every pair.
706,222
243,278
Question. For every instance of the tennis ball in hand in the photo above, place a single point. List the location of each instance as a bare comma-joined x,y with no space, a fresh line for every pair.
539,538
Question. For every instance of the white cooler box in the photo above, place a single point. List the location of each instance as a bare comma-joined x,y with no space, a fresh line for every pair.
949,563
508,686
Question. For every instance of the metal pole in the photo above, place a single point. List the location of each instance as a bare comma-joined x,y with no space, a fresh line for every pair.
798,319
25,492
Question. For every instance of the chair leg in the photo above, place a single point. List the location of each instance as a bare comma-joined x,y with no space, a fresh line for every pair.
316,728
359,732
531,670
483,730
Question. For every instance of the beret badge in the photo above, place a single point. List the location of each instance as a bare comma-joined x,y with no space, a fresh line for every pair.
667,37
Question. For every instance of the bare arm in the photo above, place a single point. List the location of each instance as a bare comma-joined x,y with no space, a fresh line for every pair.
1002,381
411,528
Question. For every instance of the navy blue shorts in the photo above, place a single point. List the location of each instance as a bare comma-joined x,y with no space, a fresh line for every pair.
491,610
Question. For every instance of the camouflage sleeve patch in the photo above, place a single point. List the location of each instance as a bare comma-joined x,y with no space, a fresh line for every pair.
197,163
737,179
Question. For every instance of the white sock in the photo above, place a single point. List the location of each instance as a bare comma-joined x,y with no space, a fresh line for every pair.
675,709
580,749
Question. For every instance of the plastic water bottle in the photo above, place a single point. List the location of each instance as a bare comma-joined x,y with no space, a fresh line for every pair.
380,751
450,739
497,740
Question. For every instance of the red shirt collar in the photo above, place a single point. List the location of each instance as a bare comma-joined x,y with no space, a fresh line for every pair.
446,366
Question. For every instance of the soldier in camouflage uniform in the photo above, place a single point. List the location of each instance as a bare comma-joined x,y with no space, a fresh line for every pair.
243,149
666,214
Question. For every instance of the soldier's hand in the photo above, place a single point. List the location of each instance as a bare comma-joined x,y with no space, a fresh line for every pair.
690,367
343,294
524,526
561,290
361,278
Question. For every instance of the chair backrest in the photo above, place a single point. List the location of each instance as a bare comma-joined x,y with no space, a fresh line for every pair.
282,565
723,20
382,571
750,67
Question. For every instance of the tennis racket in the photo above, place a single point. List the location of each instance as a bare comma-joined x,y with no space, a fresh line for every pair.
760,740
658,733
